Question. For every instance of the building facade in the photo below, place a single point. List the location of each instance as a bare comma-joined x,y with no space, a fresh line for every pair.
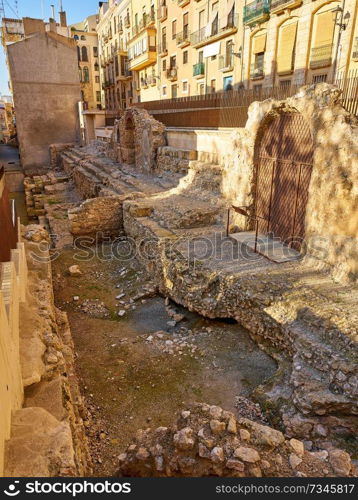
46,90
181,48
86,38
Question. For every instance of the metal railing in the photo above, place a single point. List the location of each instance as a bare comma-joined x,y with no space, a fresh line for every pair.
198,69
226,61
260,9
183,36
162,48
321,56
172,73
256,71
147,20
223,25
275,4
162,13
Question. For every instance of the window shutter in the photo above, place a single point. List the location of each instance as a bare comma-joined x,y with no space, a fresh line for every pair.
286,48
324,29
259,44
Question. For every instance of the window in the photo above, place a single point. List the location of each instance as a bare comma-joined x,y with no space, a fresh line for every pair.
185,86
174,30
78,53
258,47
96,67
83,37
229,49
164,91
322,41
286,47
174,91
201,89
201,57
213,86
201,19
164,64
164,39
227,84
98,96
185,25
85,74
80,74
185,57
173,62
96,78
95,51
76,37
84,54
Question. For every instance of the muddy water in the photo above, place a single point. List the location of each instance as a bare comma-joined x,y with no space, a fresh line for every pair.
133,379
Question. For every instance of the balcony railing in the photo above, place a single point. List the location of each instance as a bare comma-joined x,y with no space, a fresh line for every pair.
257,11
256,72
321,56
127,21
226,62
281,5
162,13
183,38
146,20
199,69
172,73
221,28
163,48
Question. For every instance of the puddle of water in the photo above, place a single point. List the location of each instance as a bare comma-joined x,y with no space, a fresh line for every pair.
130,383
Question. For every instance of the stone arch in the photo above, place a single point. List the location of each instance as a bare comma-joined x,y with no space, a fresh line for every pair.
331,225
140,135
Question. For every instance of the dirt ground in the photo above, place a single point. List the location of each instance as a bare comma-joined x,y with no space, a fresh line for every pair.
141,359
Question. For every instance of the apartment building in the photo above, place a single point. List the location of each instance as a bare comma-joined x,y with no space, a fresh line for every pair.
86,38
178,48
114,32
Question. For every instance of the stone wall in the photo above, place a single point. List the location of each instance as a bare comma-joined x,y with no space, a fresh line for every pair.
209,441
47,435
97,217
136,138
55,154
331,215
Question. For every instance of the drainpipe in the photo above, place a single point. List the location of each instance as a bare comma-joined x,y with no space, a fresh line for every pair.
243,49
338,42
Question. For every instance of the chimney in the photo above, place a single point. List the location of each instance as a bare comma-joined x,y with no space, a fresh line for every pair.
53,26
63,19
53,12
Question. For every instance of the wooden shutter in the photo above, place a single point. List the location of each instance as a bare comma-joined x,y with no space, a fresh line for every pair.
324,29
259,44
286,48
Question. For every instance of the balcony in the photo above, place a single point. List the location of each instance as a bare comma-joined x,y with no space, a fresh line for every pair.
146,21
321,56
198,69
140,53
163,49
226,63
172,74
121,49
127,21
183,3
162,13
256,72
278,6
257,12
222,28
151,80
183,38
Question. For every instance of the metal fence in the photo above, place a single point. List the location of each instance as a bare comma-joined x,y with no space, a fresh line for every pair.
229,108
8,222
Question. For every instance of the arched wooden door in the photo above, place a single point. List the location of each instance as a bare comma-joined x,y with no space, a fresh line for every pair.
284,156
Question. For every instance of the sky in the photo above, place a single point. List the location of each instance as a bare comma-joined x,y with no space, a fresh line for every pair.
76,10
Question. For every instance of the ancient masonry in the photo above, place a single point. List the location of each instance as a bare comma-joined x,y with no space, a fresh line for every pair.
177,200
47,434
